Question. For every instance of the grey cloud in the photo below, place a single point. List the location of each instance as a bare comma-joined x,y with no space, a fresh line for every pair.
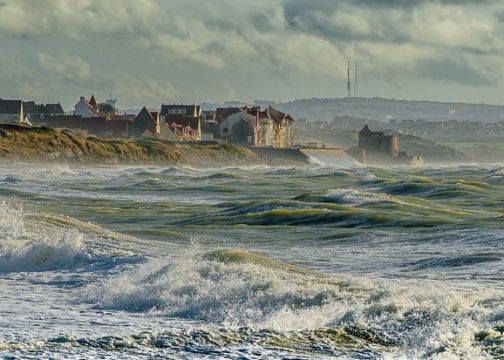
320,17
452,71
275,49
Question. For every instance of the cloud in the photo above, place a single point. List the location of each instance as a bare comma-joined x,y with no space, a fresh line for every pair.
143,89
67,67
185,49
451,70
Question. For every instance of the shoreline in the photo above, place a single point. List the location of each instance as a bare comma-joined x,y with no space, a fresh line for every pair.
63,146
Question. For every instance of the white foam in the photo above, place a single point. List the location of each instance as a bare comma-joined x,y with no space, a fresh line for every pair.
358,197
24,249
264,297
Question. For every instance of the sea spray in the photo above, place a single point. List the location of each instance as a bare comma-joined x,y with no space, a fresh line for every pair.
237,289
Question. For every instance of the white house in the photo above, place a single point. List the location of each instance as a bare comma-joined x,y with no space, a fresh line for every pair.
84,108
227,125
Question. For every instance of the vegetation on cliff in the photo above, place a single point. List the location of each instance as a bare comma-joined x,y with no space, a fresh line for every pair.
62,145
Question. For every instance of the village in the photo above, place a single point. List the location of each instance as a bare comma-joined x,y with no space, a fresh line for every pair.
241,125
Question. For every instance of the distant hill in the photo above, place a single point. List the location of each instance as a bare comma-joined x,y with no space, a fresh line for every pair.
385,109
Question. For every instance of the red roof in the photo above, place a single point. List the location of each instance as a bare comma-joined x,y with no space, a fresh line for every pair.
92,101
276,115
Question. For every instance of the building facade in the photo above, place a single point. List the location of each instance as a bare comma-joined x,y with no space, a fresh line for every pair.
11,111
377,144
254,127
184,120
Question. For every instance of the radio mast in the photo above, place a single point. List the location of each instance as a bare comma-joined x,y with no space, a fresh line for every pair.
355,81
349,85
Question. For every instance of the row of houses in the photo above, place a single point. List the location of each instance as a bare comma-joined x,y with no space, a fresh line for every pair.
250,126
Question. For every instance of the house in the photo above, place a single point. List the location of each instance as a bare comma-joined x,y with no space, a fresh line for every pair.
256,127
11,111
54,109
240,128
85,107
183,118
223,113
38,113
378,144
89,107
145,120
283,125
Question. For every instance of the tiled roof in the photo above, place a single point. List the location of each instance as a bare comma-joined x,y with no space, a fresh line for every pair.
30,107
276,115
92,101
144,112
222,113
54,109
289,118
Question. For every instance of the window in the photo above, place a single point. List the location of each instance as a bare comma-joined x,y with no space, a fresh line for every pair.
177,111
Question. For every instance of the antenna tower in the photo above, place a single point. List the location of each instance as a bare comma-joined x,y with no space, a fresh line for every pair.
355,81
349,85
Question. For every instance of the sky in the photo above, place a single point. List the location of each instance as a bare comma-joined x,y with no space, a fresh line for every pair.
146,52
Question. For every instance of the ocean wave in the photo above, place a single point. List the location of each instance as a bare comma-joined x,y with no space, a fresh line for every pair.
341,342
350,196
237,289
346,208
456,261
31,243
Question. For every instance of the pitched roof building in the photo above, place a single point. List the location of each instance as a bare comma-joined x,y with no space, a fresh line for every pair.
11,111
145,120
89,107
39,112
255,127
185,119
84,108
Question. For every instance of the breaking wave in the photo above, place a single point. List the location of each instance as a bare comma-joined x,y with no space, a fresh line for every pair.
31,243
237,289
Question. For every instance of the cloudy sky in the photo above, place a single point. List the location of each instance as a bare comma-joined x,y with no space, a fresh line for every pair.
153,51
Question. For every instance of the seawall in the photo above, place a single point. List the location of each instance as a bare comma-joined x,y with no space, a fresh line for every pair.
285,155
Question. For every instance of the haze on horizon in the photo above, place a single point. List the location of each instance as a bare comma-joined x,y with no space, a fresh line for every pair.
149,51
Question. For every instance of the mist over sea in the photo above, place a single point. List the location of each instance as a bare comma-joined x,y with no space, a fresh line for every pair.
252,262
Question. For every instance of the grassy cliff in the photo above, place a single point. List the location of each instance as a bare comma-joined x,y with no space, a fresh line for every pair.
19,143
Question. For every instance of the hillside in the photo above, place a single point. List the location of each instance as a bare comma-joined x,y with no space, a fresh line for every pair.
386,109
18,143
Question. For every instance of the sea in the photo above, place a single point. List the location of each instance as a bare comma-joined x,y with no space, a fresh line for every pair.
258,262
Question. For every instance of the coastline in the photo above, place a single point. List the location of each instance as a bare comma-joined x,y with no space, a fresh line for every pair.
41,144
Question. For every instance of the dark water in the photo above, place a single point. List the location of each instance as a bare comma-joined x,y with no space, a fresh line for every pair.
252,262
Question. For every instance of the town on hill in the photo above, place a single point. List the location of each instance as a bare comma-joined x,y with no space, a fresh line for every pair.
322,123
242,125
